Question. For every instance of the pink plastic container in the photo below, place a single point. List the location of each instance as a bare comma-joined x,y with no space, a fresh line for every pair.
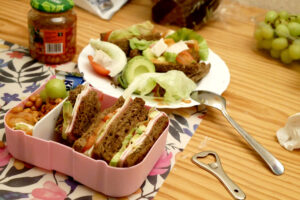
96,174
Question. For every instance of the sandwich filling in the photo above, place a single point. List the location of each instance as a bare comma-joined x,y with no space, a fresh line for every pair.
135,138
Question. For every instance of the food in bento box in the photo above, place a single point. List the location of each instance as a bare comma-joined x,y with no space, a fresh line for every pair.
78,111
26,115
122,134
44,151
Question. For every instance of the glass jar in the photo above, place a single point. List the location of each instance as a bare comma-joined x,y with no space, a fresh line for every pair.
52,30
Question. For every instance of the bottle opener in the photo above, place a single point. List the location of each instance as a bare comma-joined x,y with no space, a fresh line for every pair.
217,170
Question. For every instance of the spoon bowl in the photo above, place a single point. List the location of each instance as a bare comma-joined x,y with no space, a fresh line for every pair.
216,101
209,99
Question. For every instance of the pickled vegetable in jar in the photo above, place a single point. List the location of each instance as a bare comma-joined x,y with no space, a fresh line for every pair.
52,30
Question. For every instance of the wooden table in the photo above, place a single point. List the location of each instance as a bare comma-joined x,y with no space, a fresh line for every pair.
262,94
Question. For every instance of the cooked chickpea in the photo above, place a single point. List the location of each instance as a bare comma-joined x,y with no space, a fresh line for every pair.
17,109
43,108
28,104
27,110
32,98
38,102
58,100
35,113
33,108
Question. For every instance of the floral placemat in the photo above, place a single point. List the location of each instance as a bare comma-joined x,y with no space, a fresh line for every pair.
19,77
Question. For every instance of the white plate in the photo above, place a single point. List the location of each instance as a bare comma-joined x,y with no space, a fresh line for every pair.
216,80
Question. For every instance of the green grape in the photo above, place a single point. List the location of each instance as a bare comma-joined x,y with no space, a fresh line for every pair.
294,51
280,21
298,18
282,30
271,16
293,18
275,53
283,14
262,24
266,44
267,32
56,88
297,41
285,57
43,95
279,43
294,28
257,34
259,44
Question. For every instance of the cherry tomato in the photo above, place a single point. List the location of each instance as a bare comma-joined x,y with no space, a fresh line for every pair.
106,36
185,58
169,41
97,67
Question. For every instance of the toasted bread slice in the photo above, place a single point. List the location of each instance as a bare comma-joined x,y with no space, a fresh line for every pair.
124,43
195,71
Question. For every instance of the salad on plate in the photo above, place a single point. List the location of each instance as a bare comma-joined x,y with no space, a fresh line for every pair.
160,67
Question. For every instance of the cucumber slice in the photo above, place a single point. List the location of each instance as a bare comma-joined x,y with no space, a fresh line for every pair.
136,66
114,52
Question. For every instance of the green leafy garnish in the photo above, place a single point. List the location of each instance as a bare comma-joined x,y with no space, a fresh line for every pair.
139,44
188,34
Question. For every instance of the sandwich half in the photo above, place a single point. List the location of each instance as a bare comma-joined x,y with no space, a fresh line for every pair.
122,134
78,113
140,140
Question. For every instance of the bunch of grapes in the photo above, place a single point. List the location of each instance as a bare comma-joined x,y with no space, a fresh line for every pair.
279,33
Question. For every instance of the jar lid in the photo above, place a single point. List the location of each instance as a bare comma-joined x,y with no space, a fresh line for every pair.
52,6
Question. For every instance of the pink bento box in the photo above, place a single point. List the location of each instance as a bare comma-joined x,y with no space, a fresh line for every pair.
96,174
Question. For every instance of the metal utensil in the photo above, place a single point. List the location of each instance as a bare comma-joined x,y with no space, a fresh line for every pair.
217,101
216,169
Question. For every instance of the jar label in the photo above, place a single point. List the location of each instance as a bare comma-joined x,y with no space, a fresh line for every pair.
54,41
52,46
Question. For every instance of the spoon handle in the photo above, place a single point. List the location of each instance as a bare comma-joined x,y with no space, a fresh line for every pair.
272,162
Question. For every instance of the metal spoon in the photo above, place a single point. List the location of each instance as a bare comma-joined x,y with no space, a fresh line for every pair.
216,101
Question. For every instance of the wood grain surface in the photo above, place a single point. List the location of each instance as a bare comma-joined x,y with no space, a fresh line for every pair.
262,94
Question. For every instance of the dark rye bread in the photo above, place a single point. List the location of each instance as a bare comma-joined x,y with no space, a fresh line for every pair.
118,130
74,93
124,43
72,98
184,13
80,143
59,123
88,109
195,71
139,154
